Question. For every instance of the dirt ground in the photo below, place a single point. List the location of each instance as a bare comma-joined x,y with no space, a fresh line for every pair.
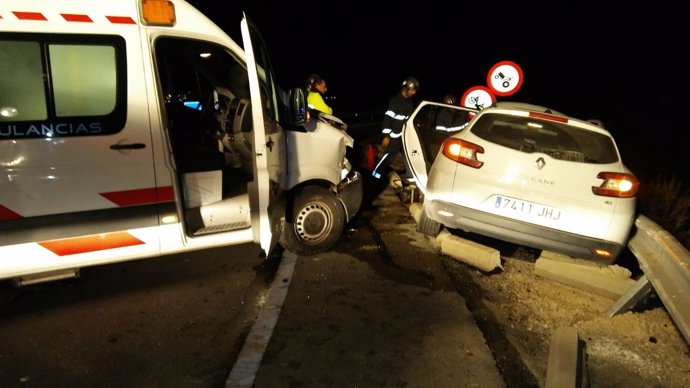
641,348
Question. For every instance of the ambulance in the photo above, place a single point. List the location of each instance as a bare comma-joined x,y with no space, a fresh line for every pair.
132,129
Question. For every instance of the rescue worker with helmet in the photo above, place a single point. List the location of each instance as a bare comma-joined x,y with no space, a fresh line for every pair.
451,120
400,107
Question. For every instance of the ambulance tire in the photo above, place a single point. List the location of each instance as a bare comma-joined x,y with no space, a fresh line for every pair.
317,221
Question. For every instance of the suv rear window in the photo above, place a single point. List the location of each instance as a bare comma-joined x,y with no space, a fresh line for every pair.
558,140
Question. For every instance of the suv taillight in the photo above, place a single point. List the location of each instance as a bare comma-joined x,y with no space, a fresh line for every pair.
616,184
462,152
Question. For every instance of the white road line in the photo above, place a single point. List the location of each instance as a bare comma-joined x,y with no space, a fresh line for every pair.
249,359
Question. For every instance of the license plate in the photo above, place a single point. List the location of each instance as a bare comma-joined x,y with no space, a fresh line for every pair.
527,210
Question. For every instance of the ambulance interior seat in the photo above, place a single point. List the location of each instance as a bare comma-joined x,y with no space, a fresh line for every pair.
243,117
240,137
238,81
193,146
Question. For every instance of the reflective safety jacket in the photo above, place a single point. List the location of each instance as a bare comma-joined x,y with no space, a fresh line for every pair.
399,109
315,101
451,120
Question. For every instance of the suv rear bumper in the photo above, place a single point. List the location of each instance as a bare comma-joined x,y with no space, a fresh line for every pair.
522,233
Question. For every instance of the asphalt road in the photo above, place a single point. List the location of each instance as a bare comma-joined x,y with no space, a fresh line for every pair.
377,310
177,321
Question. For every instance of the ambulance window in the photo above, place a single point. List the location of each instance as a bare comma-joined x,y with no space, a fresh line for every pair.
21,77
83,79
190,70
62,85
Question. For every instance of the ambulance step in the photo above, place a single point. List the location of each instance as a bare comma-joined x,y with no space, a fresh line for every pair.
46,277
222,228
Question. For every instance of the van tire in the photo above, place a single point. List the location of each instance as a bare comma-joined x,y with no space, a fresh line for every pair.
428,226
317,222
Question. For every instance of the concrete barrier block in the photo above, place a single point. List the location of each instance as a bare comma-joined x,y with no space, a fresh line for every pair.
613,269
416,210
600,280
480,256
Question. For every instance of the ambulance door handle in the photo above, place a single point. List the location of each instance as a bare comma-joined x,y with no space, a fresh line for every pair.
133,146
269,144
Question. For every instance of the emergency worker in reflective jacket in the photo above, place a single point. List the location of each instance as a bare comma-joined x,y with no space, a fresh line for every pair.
451,120
316,89
400,107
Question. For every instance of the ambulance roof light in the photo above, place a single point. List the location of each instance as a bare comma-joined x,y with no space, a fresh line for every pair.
158,12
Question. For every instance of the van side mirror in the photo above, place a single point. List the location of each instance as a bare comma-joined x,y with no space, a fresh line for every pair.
298,110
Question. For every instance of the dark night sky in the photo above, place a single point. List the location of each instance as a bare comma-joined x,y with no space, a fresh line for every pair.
620,63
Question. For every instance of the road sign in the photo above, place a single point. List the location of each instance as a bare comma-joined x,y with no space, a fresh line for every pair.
478,97
505,78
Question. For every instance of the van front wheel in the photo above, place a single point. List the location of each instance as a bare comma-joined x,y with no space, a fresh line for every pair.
317,222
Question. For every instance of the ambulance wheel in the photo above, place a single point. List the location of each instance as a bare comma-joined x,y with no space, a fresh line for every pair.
317,222
428,226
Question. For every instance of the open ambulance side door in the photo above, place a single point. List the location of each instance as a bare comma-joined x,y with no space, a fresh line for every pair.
268,142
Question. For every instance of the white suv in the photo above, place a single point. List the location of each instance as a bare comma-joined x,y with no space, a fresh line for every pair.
525,174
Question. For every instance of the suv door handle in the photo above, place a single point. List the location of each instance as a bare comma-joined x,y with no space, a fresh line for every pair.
269,144
133,146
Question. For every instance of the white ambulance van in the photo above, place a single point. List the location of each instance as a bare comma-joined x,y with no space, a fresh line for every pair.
131,129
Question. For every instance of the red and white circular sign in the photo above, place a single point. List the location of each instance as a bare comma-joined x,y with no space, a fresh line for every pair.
478,97
505,78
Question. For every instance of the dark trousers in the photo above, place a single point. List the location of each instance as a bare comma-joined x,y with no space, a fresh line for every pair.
383,167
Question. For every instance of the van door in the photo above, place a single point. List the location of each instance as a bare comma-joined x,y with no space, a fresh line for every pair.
422,139
270,162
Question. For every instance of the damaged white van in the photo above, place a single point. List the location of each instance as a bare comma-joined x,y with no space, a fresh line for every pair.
131,129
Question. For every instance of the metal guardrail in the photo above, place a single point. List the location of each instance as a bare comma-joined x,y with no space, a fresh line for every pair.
666,264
